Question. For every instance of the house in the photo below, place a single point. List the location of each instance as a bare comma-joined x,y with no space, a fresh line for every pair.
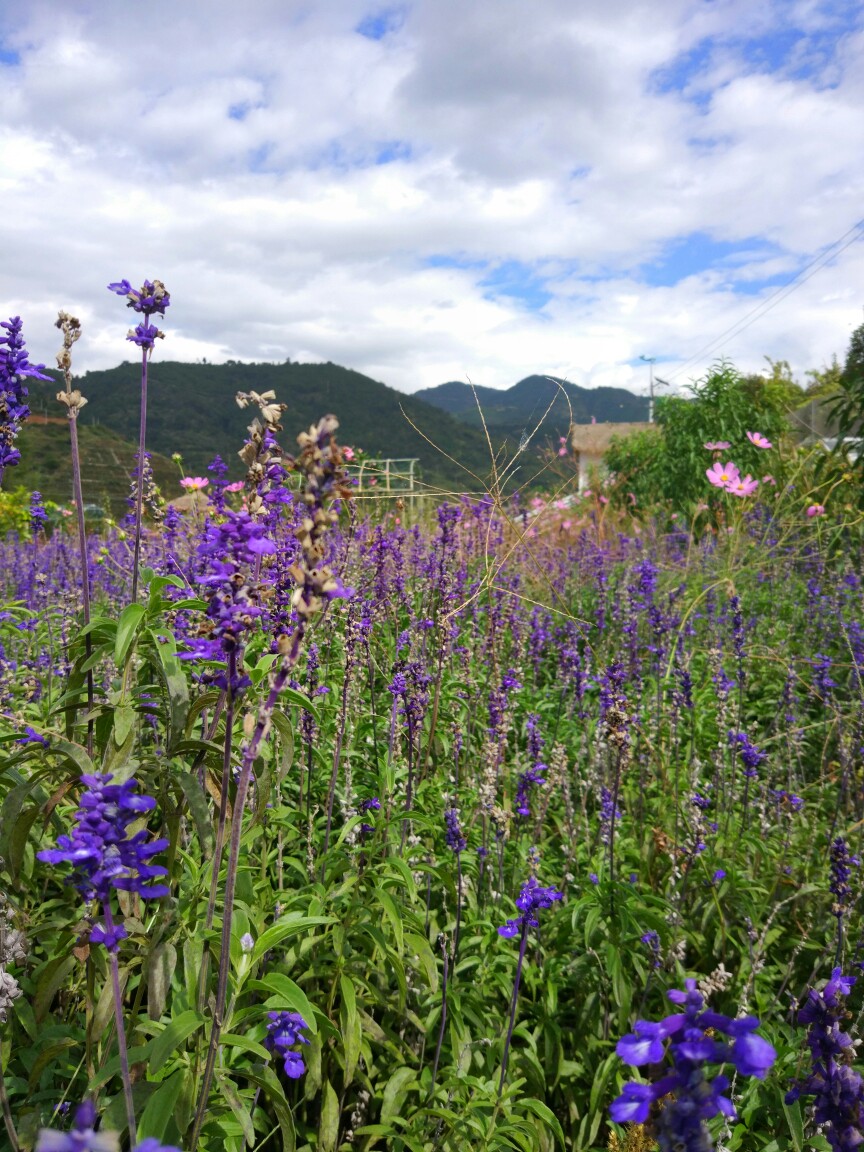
589,442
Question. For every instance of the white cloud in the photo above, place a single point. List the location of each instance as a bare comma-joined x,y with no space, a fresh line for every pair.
643,169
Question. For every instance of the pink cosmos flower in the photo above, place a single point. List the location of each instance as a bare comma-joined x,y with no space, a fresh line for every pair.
538,502
604,499
562,451
816,510
587,492
743,485
348,453
567,525
769,479
720,475
194,483
235,486
759,440
718,445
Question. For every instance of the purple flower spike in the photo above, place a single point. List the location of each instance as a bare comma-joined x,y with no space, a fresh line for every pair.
284,1031
837,1089
696,1040
103,855
532,898
14,369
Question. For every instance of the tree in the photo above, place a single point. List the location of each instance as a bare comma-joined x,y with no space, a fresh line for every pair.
724,405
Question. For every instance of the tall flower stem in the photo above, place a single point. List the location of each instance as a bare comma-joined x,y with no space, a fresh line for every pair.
121,1031
139,495
7,1115
443,1015
219,845
85,566
250,753
74,402
523,941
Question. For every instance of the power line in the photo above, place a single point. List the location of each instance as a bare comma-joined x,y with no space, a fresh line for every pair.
852,235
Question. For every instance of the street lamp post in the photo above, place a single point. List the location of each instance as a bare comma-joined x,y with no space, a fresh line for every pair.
650,360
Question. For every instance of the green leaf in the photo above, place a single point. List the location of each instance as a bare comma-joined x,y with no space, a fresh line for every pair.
160,1107
796,1124
352,1033
263,1076
293,696
232,1040
160,970
173,1036
328,1132
75,753
290,994
394,1093
291,924
127,629
176,686
51,979
232,1096
200,811
544,1113
124,718
392,913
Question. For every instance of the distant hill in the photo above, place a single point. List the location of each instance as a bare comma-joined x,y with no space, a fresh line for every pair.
192,410
515,411
107,463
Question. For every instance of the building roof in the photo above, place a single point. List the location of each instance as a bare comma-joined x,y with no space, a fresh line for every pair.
596,438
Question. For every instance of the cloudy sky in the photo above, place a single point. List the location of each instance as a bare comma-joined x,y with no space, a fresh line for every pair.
440,189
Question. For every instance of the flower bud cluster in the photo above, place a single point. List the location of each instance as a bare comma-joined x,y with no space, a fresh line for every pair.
262,454
152,297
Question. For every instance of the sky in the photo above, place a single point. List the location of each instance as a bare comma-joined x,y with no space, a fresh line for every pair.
440,190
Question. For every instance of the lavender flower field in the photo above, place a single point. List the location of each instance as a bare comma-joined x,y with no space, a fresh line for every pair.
336,825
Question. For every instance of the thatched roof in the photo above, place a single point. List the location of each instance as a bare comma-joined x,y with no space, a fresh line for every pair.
596,438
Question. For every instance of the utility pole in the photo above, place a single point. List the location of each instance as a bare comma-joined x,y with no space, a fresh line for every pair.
650,360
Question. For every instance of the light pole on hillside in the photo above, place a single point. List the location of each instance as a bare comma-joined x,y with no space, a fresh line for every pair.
650,360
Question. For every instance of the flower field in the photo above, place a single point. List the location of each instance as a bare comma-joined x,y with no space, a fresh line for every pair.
330,825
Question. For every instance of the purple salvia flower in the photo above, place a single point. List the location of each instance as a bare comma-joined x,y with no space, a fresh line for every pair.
749,754
456,841
531,899
15,367
837,1089
102,853
694,1043
284,1032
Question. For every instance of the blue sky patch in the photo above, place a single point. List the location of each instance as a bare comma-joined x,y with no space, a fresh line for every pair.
699,252
681,73
517,281
393,150
379,24
8,56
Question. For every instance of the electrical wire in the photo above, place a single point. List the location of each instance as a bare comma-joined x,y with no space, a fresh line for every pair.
824,258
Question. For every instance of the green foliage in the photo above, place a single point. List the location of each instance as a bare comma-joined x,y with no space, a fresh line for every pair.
670,465
15,511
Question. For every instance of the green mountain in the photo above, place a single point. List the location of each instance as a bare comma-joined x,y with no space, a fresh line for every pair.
515,412
192,410
107,463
